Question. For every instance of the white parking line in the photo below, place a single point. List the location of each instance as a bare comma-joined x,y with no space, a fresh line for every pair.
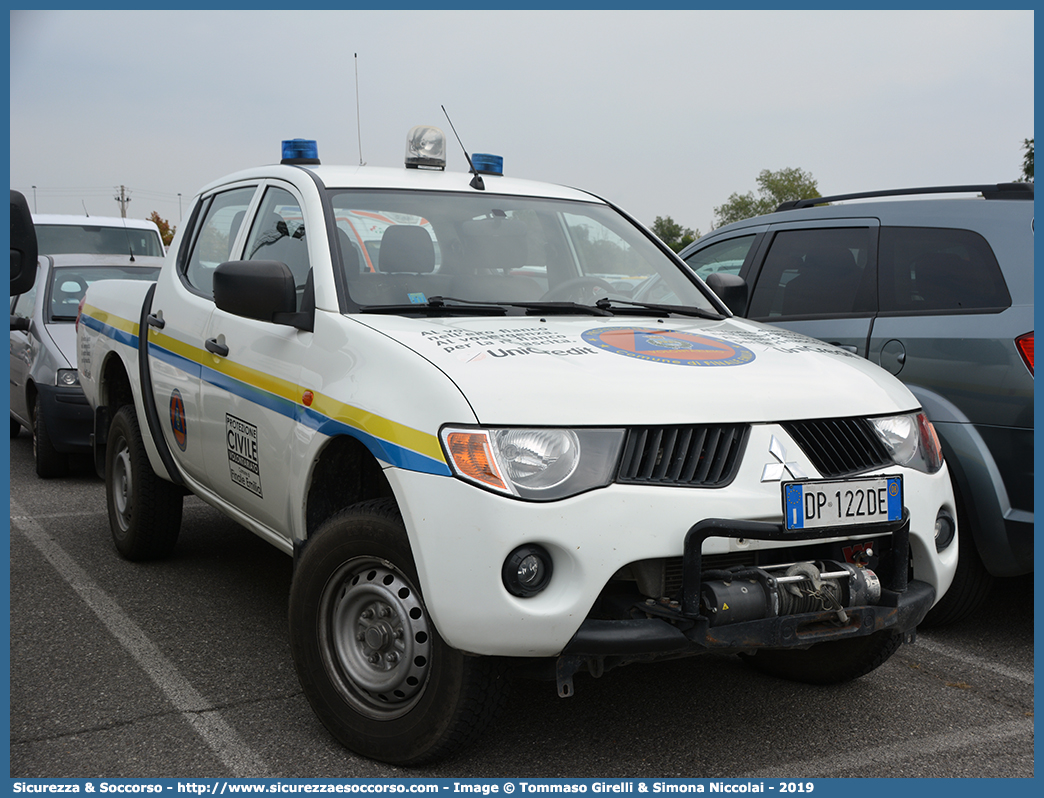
900,751
976,662
194,708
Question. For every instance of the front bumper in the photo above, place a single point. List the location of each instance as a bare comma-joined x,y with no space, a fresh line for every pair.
461,535
68,418
684,628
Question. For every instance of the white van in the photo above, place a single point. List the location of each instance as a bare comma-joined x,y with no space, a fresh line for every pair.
58,234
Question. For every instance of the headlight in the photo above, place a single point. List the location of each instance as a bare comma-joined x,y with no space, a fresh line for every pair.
911,440
67,378
540,464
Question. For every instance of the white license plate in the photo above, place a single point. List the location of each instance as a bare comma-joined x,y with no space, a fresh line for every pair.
849,502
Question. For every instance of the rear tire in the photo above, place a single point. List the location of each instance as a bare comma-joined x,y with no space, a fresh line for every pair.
144,509
49,461
16,427
367,654
834,662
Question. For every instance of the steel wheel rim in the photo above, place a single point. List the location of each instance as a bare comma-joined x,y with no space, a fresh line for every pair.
375,638
122,484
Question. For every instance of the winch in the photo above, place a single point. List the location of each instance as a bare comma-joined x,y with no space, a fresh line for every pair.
749,594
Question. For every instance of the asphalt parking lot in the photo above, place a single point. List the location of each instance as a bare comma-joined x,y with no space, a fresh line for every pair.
182,669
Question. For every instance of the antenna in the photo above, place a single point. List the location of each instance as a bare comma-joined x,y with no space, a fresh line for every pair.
130,242
358,120
84,204
476,181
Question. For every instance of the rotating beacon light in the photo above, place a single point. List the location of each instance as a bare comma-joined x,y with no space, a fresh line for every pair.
425,148
300,152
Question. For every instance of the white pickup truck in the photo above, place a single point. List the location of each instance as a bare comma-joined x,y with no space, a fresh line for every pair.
503,430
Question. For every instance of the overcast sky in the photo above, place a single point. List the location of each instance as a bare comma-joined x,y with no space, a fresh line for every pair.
666,113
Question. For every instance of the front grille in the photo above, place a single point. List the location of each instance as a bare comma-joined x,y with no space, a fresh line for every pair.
839,447
704,456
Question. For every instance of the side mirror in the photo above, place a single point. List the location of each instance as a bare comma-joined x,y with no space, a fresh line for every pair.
731,289
256,289
20,323
23,245
259,289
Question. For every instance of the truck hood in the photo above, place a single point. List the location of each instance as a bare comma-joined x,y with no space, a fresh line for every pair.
595,371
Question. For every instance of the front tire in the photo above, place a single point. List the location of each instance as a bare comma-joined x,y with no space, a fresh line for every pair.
833,662
48,460
144,508
367,654
971,584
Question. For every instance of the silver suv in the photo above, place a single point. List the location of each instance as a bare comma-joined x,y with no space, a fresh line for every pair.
939,291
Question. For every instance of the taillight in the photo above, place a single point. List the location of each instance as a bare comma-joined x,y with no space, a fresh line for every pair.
1025,346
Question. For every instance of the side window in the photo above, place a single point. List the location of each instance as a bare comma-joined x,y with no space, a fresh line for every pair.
23,305
278,233
927,269
724,256
215,236
815,272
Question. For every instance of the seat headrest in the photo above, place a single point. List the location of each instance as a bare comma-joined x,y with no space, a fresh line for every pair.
349,256
406,248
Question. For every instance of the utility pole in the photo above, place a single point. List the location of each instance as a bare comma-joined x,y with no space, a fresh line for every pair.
123,199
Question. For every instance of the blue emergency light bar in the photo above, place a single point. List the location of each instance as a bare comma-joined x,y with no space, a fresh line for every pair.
485,164
300,151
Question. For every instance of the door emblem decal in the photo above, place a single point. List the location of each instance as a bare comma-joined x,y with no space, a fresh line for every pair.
178,423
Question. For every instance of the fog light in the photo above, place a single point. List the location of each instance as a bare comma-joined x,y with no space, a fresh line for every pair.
527,571
945,527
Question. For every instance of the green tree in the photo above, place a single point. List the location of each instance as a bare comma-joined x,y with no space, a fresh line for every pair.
773,189
166,231
1027,161
673,234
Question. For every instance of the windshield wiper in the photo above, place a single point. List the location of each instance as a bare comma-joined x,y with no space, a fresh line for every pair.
542,307
684,310
435,306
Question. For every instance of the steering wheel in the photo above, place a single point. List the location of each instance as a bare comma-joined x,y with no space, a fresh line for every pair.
578,289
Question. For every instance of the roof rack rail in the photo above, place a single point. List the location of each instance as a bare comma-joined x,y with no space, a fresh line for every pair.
1022,191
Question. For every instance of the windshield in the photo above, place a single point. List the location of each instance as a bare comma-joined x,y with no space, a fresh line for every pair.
69,284
403,248
69,239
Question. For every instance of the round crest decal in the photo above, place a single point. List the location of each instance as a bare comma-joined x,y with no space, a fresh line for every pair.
668,346
178,423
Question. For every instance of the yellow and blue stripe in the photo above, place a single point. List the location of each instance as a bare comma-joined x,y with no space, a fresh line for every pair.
390,441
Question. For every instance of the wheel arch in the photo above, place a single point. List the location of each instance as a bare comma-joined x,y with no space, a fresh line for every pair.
976,479
344,473
114,391
30,399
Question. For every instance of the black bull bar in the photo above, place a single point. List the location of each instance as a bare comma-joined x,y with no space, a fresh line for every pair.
682,630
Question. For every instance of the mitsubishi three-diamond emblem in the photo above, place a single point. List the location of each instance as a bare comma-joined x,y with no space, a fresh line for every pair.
774,472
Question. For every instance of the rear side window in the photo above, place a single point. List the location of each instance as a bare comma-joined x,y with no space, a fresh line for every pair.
815,272
937,269
216,234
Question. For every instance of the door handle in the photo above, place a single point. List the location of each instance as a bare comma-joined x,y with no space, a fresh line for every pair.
217,348
853,349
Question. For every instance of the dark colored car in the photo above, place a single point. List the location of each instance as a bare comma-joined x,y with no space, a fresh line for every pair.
937,290
46,397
